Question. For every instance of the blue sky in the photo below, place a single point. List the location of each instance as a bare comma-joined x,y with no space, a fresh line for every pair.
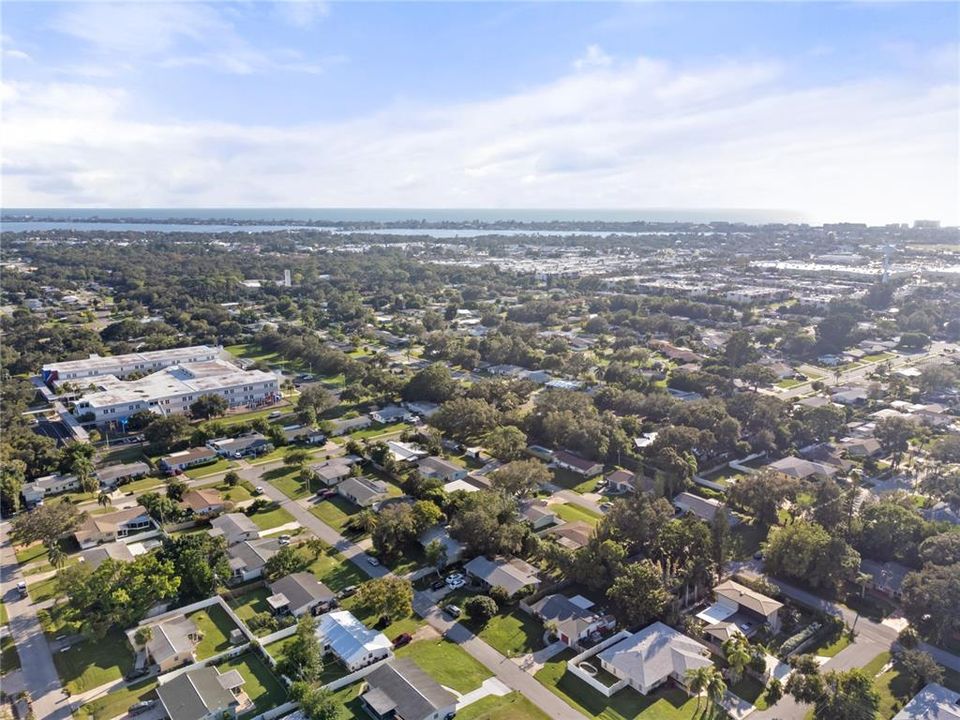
840,111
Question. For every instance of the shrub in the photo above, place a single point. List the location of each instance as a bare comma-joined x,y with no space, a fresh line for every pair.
481,608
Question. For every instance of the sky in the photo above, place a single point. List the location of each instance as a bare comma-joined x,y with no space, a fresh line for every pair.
840,112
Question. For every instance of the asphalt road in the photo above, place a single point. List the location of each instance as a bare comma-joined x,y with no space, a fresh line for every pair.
39,673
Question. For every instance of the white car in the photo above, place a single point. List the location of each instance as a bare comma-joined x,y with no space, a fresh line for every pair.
455,576
373,561
456,584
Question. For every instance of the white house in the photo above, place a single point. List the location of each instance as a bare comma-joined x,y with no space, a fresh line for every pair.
740,609
34,492
350,641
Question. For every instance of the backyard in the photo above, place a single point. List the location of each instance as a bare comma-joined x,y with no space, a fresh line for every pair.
668,704
215,626
260,683
572,481
571,513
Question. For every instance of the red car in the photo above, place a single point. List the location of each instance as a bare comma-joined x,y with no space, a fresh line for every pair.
400,640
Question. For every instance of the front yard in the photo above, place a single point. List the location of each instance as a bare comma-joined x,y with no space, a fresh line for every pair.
335,571
446,663
572,481
571,513
511,634
117,701
664,704
335,512
92,663
513,706
271,518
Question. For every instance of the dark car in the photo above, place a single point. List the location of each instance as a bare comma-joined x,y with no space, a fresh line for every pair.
136,673
400,640
141,707
347,592
438,585
328,493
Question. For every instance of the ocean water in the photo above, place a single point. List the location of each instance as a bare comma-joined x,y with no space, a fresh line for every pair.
387,215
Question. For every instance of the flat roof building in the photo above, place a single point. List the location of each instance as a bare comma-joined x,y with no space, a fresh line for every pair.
77,371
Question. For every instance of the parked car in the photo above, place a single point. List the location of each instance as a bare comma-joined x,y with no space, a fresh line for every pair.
22,588
373,561
284,540
456,584
328,493
453,611
141,707
347,592
438,585
258,490
403,639
137,673
605,507
455,576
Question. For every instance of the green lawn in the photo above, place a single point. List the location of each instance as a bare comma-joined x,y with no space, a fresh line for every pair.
215,626
218,466
43,590
375,430
142,484
261,684
92,663
251,351
3,614
238,493
9,659
122,454
117,701
335,571
249,604
446,663
573,481
671,704
508,707
268,519
28,553
895,691
287,481
409,624
745,540
571,513
335,511
753,691
512,634
832,645
229,420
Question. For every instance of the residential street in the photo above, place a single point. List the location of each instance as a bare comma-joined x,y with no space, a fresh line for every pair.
39,673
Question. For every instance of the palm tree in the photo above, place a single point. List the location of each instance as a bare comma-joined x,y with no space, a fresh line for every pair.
697,680
716,687
736,650
364,521
56,555
103,499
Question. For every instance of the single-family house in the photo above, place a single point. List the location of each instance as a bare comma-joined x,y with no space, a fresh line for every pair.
403,452
300,593
802,469
576,464
117,551
248,558
202,502
704,508
942,512
390,414
739,609
333,471
572,535
885,578
513,574
350,641
934,702
111,527
573,619
112,475
203,694
647,659
861,447
171,642
244,446
363,491
35,491
342,426
453,547
303,435
234,528
180,461
400,690
434,467
538,514
423,408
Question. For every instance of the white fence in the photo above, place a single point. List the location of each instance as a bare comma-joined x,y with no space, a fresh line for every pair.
573,665
356,674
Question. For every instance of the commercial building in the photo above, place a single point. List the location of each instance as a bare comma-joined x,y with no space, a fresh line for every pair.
79,372
173,389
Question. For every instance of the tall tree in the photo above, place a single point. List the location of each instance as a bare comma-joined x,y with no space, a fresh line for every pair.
638,595
303,656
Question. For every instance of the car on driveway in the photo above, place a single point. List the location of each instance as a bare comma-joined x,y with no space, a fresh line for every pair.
373,561
258,490
456,584
438,585
453,611
141,707
136,673
403,639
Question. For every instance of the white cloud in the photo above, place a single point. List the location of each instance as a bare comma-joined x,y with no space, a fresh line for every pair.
188,34
629,135
594,57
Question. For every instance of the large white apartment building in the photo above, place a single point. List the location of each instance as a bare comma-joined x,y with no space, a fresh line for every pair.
80,371
172,390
